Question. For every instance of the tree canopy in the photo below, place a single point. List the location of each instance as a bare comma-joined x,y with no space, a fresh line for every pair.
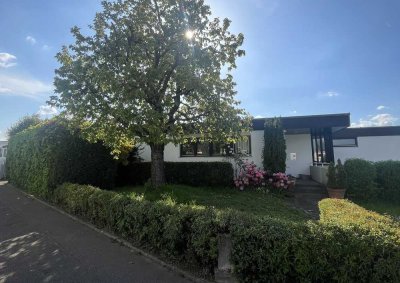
152,71
23,124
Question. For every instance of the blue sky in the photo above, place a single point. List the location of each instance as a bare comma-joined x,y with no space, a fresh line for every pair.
303,57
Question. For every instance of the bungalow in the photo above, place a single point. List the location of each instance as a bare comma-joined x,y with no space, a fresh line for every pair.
312,142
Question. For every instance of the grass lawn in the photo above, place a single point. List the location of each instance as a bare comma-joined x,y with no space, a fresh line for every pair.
257,203
380,206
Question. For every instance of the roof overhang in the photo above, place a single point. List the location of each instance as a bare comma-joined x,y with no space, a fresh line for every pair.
303,124
350,133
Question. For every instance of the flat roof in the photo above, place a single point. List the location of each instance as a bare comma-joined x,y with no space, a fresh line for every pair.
339,121
349,133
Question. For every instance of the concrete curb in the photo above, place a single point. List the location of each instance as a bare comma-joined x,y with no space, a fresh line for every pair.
118,240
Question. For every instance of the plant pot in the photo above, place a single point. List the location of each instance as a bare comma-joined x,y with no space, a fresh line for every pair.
336,193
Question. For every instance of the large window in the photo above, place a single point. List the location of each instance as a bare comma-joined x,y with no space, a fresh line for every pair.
345,142
207,149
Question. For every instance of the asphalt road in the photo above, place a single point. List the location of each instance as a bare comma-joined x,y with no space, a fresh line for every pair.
39,244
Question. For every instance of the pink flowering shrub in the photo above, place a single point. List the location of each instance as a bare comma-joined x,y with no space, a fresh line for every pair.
280,181
249,175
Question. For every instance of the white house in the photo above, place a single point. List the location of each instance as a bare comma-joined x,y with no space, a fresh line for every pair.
312,142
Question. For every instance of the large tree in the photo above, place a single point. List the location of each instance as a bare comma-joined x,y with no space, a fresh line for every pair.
154,72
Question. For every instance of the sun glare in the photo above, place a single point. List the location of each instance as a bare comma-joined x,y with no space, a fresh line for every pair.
189,34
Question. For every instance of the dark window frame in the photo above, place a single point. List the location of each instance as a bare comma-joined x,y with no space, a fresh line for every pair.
211,152
355,142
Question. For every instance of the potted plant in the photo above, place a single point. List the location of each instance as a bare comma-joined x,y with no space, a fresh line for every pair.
337,180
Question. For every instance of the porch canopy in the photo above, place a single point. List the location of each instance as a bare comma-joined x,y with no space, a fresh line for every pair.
320,128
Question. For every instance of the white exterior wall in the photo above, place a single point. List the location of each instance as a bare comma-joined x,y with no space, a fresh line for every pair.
375,148
172,152
299,144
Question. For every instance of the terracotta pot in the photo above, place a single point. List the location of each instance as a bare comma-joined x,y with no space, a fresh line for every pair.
336,193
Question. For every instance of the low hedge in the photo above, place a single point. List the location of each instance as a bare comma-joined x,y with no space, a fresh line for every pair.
184,173
388,178
348,244
187,234
48,155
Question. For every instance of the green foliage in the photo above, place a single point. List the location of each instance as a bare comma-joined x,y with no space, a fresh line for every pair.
222,199
341,175
43,157
179,232
185,173
138,78
361,176
332,178
348,244
274,151
388,178
23,124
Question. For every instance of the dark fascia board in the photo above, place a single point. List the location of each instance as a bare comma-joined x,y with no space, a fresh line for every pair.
308,122
350,133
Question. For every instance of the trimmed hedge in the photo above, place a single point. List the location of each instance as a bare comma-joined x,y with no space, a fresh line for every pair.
187,234
388,178
348,244
367,179
184,173
361,176
48,155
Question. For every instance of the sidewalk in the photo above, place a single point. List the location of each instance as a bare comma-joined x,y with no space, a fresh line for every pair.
39,244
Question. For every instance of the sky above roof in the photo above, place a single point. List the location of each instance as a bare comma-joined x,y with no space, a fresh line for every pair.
302,57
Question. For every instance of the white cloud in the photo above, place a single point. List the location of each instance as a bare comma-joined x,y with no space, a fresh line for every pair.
330,94
6,60
23,86
376,121
46,110
31,39
45,47
381,107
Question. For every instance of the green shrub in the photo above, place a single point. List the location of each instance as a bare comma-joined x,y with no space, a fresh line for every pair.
332,178
23,124
274,151
48,155
218,174
348,244
388,178
179,232
361,175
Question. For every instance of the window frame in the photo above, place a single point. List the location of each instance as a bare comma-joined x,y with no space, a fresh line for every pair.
211,150
355,142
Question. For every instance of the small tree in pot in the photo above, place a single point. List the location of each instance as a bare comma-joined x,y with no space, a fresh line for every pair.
337,180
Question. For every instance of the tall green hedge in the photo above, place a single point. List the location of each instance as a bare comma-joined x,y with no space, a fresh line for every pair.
368,179
43,157
361,176
184,173
388,178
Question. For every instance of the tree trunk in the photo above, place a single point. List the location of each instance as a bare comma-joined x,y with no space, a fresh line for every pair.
157,165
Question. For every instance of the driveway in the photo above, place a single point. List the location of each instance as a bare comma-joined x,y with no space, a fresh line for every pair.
39,244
